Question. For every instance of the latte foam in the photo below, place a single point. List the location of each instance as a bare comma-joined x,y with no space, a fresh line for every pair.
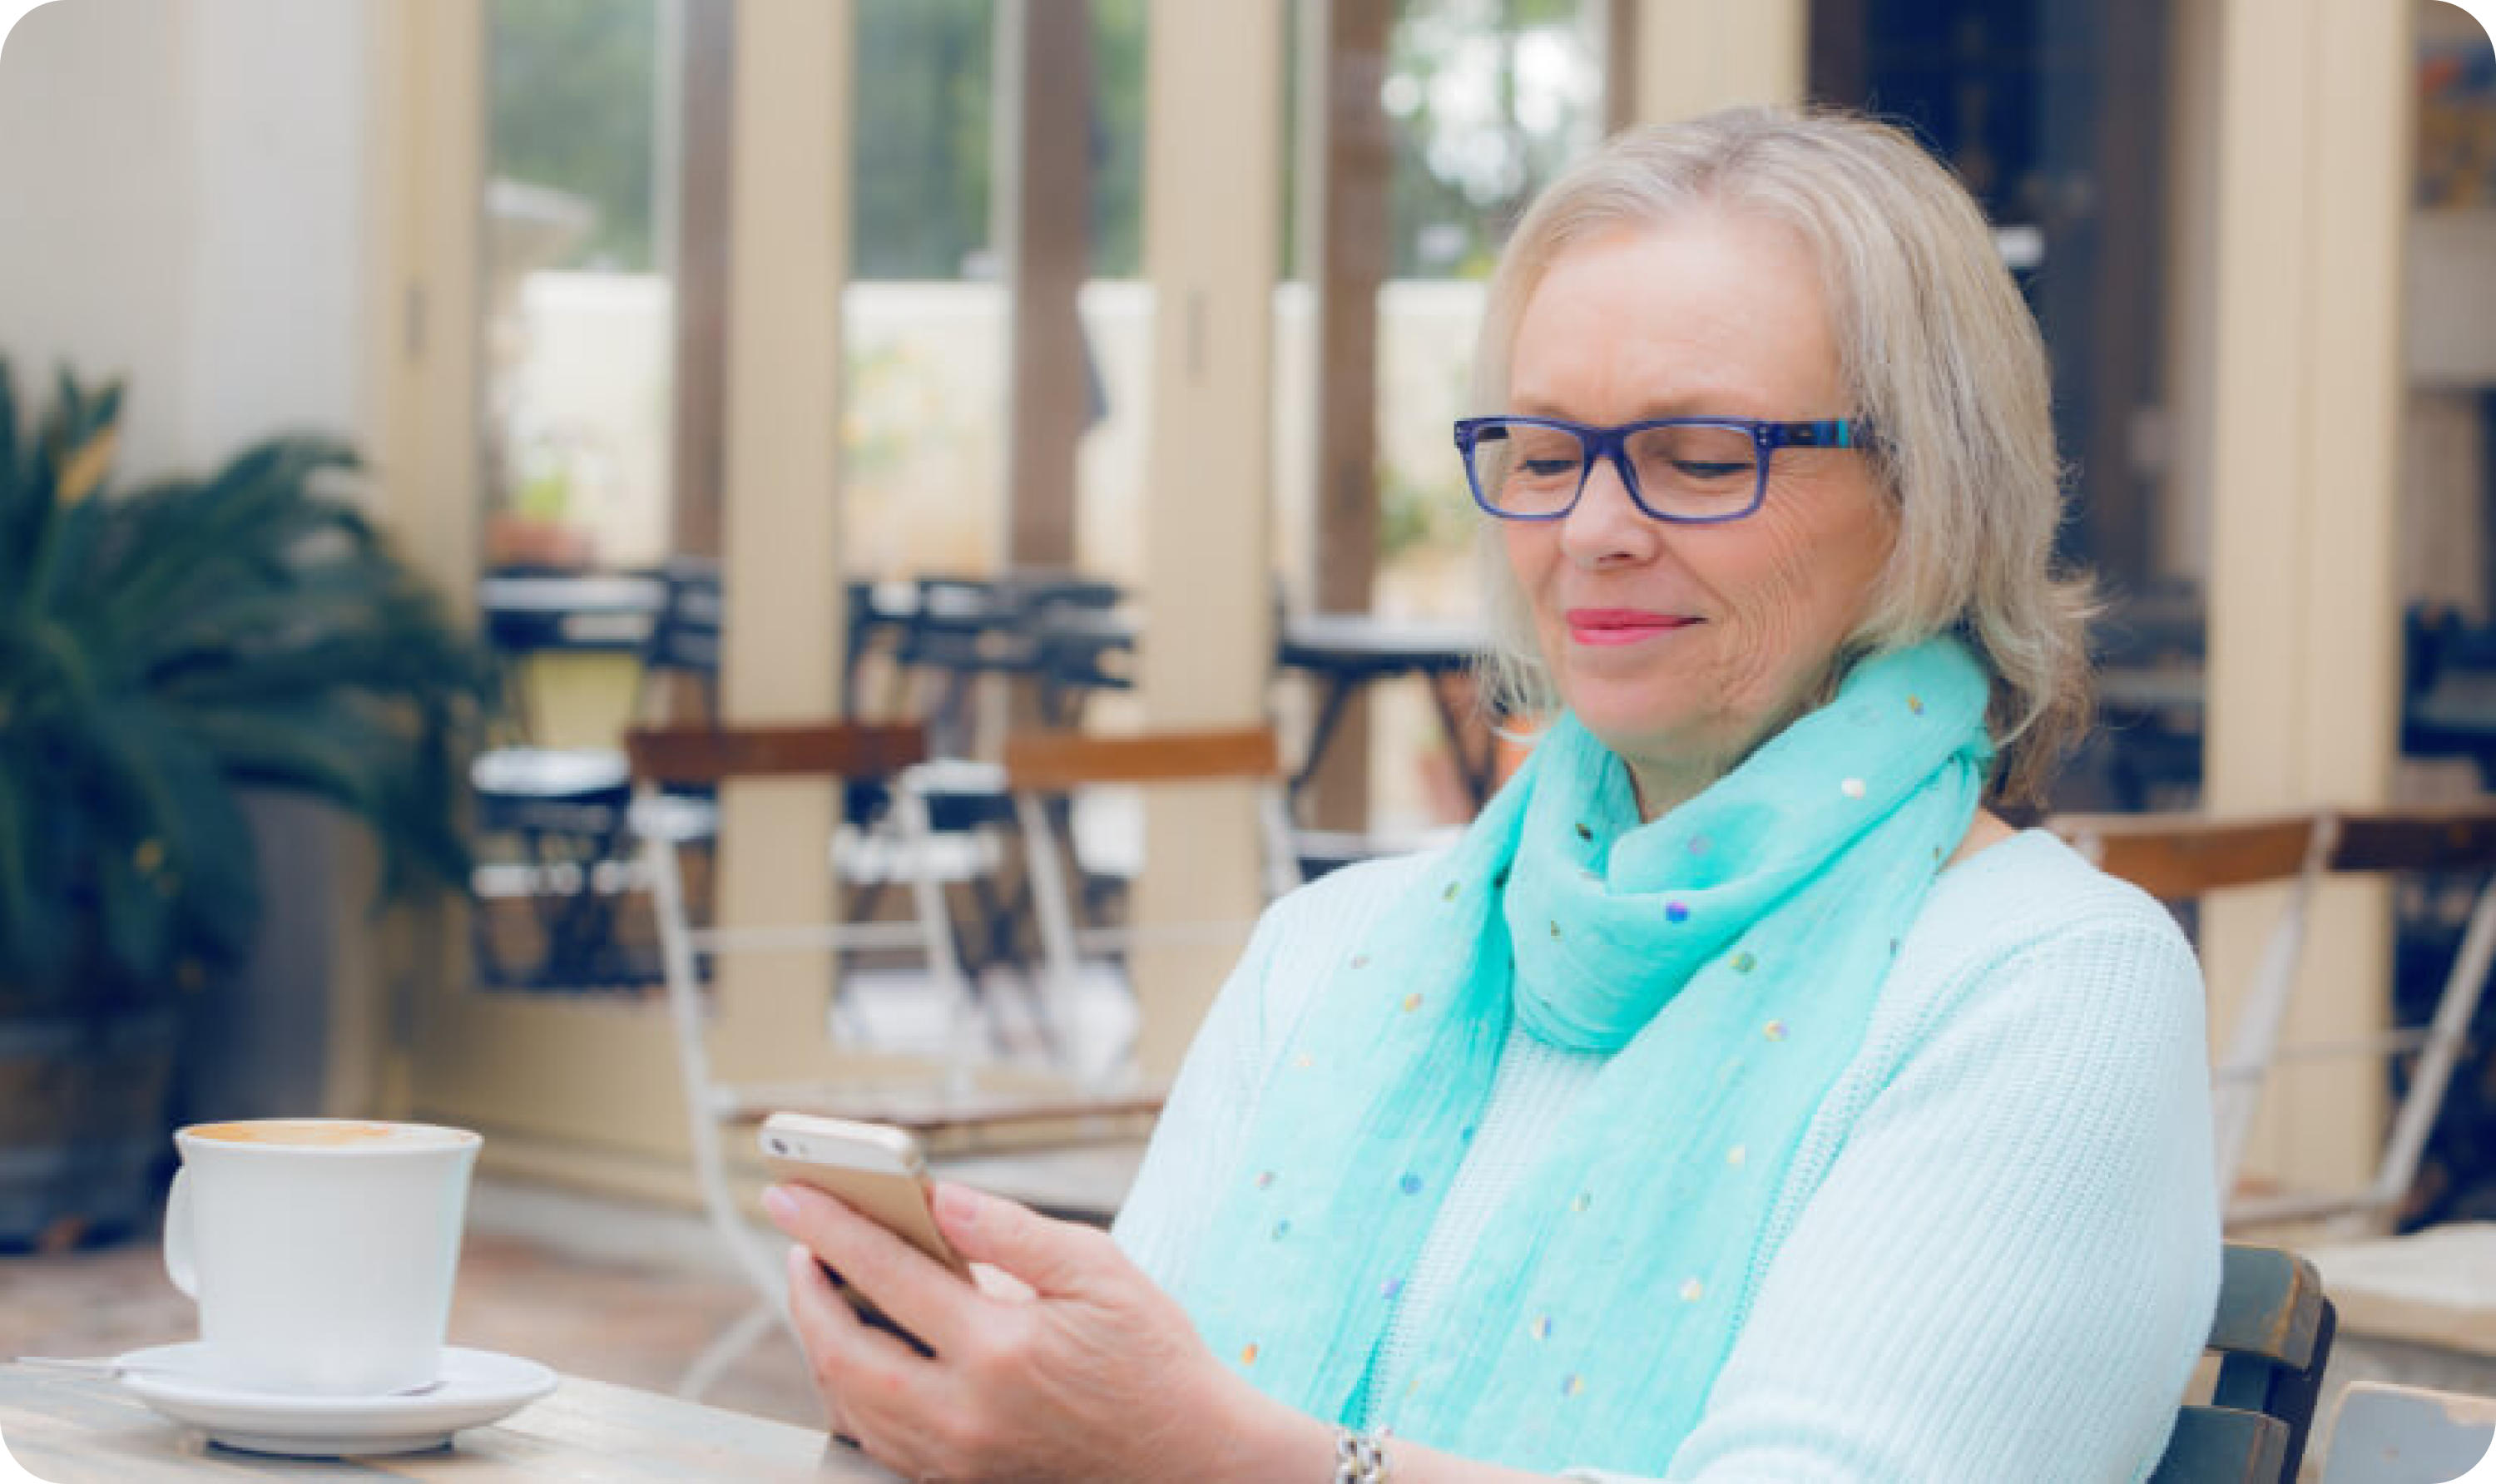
328,1133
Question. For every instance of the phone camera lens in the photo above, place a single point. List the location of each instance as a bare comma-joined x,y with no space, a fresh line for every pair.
779,1146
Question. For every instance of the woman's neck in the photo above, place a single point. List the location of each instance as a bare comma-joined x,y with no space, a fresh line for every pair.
1660,788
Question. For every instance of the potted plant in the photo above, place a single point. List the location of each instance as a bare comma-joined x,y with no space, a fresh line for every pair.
160,650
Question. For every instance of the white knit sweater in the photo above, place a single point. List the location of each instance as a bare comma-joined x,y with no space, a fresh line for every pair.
1997,1250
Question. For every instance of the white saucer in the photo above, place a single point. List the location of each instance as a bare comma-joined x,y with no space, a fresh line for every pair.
478,1387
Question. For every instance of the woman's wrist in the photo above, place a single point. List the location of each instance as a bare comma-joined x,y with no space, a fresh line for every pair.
1260,1440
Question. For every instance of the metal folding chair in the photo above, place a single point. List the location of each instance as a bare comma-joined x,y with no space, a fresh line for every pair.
1054,777
568,807
2176,857
955,1114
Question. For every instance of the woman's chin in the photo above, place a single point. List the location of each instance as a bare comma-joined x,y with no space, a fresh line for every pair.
1660,736
1639,731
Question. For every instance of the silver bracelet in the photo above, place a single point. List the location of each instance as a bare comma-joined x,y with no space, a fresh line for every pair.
1360,1457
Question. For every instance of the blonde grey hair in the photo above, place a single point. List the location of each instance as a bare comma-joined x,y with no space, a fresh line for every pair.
1938,350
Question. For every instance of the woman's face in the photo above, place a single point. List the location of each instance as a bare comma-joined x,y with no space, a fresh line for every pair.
1682,647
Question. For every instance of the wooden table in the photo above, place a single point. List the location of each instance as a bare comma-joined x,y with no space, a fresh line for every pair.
87,1430
2416,1310
2425,1300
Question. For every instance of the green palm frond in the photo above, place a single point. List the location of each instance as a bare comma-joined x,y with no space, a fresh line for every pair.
21,508
162,648
28,881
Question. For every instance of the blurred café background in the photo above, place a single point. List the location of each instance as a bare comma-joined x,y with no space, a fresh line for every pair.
997,368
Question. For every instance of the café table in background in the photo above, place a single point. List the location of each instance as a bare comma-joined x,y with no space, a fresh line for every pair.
527,614
569,610
1344,652
89,1429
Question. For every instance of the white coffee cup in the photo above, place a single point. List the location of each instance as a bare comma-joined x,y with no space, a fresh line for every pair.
322,1251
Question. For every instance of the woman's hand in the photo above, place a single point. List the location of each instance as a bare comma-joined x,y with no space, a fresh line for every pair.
1066,1362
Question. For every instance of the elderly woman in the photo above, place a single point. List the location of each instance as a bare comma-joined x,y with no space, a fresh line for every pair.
1741,1099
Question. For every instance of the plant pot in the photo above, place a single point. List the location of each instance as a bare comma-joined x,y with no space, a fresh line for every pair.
84,1130
536,543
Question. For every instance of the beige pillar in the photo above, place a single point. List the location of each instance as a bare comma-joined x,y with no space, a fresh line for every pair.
422,313
1042,164
2313,170
2193,275
1212,174
1346,157
1619,20
699,271
789,254
1694,56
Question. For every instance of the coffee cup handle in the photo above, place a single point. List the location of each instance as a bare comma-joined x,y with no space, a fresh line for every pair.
179,1264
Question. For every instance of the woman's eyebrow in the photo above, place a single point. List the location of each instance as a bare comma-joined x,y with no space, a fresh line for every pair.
1534,407
1710,404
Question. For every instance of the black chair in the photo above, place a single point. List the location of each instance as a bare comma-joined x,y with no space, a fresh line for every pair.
2149,649
2272,1333
1056,629
2449,694
943,637
567,810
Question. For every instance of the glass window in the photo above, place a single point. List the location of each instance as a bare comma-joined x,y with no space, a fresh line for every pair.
2055,113
1484,102
577,335
578,387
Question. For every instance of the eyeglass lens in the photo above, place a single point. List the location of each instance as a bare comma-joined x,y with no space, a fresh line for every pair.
1525,469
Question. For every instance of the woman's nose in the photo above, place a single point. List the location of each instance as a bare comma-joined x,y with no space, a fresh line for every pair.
1607,528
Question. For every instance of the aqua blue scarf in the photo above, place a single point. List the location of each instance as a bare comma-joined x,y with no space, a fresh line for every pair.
1727,954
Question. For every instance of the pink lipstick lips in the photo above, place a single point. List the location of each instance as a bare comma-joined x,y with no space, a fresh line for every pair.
1621,626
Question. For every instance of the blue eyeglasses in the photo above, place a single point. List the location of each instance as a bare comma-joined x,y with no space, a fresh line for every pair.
1694,471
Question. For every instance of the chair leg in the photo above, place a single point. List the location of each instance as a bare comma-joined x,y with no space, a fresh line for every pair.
727,1350
2294,1397
1056,990
936,933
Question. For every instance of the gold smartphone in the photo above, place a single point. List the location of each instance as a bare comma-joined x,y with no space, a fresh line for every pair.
876,1170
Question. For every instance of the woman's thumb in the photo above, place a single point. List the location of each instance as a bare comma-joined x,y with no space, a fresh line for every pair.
1051,1256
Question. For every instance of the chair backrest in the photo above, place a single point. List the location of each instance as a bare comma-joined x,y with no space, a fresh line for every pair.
683,643
1059,759
2272,1334
1044,768
2176,856
674,756
666,760
1055,763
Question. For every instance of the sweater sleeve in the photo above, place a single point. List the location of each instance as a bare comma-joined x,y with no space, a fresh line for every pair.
1212,1105
2009,1268
1197,1139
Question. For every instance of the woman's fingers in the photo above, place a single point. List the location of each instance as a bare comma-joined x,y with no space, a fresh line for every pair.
868,1379
902,1282
998,1284
1051,1257
1064,1362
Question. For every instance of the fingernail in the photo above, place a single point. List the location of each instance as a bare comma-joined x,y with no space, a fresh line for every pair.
782,1205
957,1204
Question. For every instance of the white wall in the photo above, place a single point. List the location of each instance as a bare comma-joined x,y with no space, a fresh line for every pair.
182,203
277,132
94,189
